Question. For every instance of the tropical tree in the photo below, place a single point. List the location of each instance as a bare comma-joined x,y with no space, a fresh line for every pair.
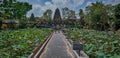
48,14
65,12
0,24
117,16
82,18
81,14
111,17
14,9
71,13
98,16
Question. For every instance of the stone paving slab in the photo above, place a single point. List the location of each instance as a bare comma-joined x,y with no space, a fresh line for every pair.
57,47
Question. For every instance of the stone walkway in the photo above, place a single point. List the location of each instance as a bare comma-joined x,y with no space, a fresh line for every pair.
57,47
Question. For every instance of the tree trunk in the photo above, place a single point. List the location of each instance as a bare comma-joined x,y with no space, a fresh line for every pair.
0,24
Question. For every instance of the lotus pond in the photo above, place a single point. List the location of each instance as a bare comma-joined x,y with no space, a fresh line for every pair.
20,43
96,44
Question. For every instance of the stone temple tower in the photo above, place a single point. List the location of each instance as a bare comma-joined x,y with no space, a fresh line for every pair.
57,17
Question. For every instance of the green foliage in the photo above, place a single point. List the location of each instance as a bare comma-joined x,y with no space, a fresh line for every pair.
96,44
0,23
117,16
22,24
67,13
81,14
48,14
98,15
20,43
14,9
78,25
31,25
117,11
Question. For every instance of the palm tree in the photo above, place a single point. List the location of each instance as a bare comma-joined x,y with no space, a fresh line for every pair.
65,12
48,14
98,15
81,14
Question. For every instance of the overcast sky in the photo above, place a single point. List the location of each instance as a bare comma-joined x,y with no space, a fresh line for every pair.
40,6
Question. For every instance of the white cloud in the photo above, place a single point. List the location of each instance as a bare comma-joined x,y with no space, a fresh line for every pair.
23,0
78,2
113,2
49,5
89,3
36,6
60,1
38,9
